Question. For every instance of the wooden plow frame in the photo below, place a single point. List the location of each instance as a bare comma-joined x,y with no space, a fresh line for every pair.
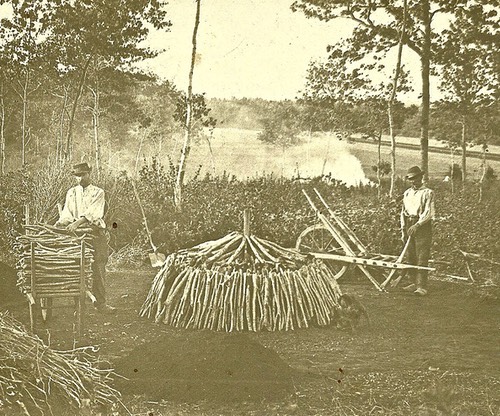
341,247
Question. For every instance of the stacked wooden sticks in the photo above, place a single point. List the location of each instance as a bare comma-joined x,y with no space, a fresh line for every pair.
55,257
33,377
242,282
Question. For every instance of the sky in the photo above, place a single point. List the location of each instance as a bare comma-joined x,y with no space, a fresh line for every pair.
246,48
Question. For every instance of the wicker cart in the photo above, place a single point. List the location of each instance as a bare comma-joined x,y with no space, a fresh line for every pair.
54,264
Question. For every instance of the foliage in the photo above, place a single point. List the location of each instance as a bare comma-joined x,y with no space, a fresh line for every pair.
279,212
384,167
355,103
54,50
490,174
454,172
378,27
282,125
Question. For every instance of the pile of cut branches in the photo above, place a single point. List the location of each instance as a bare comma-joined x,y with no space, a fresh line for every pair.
57,258
240,283
34,379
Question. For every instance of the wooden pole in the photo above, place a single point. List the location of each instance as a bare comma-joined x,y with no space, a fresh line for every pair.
246,222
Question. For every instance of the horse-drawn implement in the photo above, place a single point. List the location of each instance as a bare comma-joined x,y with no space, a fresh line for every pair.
332,240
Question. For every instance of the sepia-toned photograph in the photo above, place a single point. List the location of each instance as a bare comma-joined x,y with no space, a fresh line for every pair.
249,207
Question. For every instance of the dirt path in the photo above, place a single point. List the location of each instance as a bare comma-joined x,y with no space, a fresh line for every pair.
417,353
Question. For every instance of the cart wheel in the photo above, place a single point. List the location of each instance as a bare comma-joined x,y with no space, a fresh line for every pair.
317,238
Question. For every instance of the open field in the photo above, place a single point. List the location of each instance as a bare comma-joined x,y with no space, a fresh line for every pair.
418,356
239,152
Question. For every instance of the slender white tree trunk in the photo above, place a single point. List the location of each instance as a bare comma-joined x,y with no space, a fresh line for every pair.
24,96
95,127
379,164
464,151
390,108
189,118
2,129
483,172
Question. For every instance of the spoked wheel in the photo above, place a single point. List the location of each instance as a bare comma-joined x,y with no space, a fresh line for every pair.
318,239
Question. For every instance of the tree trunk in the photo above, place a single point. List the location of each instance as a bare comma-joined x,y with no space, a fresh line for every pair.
69,136
24,97
187,135
60,137
483,173
464,151
2,129
95,128
425,60
452,171
379,164
390,108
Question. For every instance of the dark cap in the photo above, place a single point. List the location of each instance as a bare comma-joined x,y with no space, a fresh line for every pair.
414,172
81,169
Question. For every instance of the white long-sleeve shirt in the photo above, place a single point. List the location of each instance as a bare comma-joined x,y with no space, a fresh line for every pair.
418,203
85,202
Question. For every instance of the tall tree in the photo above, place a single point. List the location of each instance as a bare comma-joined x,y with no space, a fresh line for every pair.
186,148
392,97
377,30
109,30
21,39
468,63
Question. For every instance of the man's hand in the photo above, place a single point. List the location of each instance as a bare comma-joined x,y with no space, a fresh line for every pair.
74,225
404,237
412,230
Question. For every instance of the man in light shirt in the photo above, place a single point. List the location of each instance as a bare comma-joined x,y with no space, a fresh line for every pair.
416,223
84,207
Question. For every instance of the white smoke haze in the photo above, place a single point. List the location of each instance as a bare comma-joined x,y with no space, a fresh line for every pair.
240,153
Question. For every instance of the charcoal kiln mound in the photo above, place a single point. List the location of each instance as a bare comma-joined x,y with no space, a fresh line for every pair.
243,283
204,365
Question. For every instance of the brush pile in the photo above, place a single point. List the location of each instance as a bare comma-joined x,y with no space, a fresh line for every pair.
57,258
242,283
35,379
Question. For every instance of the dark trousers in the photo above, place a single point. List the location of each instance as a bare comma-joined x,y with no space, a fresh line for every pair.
100,246
419,251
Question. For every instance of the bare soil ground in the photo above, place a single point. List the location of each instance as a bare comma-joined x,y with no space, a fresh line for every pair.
421,356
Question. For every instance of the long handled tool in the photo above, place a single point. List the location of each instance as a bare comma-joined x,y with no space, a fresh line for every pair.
157,259
401,257
399,260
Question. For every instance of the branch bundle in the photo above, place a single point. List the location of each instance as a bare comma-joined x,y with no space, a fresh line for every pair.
34,378
57,258
240,283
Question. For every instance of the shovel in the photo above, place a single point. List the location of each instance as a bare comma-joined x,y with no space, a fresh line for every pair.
157,259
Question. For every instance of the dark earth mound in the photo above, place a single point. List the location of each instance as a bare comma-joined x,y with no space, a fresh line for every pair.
201,365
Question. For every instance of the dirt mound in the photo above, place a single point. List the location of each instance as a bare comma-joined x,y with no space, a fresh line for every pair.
202,365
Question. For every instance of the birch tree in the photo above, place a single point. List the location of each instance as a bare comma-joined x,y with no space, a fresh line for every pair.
186,148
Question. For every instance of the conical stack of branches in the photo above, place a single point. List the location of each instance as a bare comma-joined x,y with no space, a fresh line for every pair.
56,257
240,283
34,379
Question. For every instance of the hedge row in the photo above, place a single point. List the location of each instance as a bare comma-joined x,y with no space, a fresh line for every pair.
213,206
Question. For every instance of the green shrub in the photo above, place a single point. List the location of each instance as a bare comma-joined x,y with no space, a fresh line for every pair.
213,206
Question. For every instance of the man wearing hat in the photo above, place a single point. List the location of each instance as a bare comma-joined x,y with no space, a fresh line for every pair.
416,223
84,207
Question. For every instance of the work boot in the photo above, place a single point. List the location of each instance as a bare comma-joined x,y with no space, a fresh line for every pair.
421,291
410,288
